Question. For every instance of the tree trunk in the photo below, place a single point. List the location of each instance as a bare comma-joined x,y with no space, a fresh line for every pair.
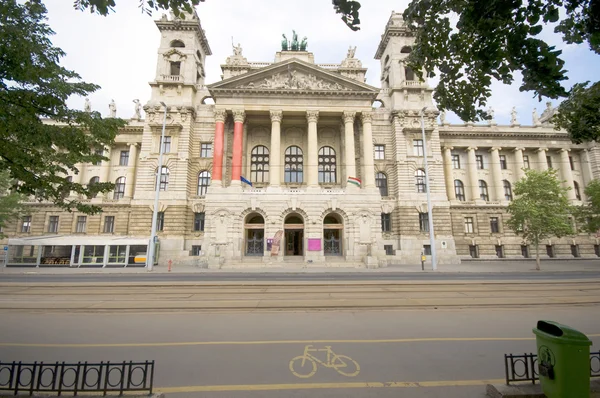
537,256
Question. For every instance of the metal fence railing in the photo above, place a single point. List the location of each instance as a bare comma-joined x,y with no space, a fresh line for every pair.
75,378
519,368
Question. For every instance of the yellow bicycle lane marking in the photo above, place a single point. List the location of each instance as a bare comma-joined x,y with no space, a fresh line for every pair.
305,365
267,342
316,386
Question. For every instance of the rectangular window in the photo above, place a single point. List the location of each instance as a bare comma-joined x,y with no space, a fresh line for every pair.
549,161
99,152
503,162
175,68
166,147
389,250
53,224
469,228
26,224
81,221
196,250
525,251
427,250
109,224
199,221
160,221
494,225
206,150
418,147
424,222
124,158
500,251
379,152
479,161
386,222
571,162
474,251
456,161
526,162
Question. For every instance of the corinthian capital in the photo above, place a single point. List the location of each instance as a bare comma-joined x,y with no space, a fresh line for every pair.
366,117
220,115
276,116
312,116
349,117
238,115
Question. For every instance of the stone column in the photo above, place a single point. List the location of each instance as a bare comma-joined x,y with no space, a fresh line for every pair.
567,173
106,166
131,170
367,151
312,160
217,174
238,146
497,174
542,161
350,156
472,171
275,165
447,154
519,163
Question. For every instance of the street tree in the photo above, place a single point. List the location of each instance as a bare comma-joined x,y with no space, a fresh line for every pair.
42,138
540,209
588,215
468,43
11,206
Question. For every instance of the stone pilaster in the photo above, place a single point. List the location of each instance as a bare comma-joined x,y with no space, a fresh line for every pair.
472,171
275,165
350,156
313,149
447,154
131,170
519,163
497,174
367,150
238,146
219,144
542,161
567,174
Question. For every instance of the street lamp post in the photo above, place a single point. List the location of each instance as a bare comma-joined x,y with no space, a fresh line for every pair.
151,243
429,208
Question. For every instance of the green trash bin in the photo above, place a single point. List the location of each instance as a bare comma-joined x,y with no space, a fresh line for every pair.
563,360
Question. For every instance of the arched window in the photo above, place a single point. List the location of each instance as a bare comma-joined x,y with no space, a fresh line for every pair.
381,183
164,178
177,44
576,189
507,190
203,182
420,180
119,188
327,165
406,50
259,164
294,161
459,190
483,190
93,181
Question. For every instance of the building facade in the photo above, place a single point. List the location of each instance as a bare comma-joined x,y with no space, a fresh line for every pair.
295,162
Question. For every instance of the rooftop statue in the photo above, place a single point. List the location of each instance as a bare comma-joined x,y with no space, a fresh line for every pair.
294,45
303,44
284,43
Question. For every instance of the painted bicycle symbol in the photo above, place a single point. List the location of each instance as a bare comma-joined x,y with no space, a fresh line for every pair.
305,365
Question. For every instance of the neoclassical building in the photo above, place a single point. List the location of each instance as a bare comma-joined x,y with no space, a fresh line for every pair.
296,162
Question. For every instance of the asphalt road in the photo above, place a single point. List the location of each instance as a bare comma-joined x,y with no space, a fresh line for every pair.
449,353
289,276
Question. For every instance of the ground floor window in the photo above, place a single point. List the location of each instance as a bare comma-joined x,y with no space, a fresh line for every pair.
474,251
525,251
427,250
196,250
550,251
389,250
500,251
597,250
575,250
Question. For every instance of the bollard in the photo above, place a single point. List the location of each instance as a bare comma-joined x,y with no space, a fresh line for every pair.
170,263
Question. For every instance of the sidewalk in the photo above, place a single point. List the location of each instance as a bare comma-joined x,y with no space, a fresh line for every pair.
506,266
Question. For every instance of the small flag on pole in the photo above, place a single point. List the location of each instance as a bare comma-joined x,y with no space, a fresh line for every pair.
355,181
246,181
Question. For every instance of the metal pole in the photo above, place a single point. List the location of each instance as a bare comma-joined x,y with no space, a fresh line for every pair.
429,208
151,244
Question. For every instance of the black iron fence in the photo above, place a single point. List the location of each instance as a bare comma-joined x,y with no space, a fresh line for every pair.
519,368
74,378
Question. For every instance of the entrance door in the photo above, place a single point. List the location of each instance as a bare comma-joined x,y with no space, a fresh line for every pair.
332,242
255,242
294,242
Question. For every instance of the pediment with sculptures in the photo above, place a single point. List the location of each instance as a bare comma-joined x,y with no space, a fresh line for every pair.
294,80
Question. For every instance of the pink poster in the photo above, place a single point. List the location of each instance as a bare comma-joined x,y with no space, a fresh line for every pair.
314,245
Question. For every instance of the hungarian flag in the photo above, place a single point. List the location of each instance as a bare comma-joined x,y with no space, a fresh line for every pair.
355,181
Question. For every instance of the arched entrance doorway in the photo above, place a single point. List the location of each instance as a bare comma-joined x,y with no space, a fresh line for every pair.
333,226
293,227
255,235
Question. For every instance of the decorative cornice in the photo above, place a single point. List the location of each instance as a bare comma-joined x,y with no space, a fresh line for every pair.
295,92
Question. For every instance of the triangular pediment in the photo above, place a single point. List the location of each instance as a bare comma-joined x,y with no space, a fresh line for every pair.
293,76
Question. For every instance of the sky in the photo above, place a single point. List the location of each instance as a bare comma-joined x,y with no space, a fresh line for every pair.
119,52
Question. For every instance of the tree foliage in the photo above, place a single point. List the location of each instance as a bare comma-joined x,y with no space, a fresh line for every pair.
105,7
540,209
10,202
33,90
588,215
579,114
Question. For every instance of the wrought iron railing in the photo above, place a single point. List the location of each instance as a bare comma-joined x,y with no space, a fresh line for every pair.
75,378
519,368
